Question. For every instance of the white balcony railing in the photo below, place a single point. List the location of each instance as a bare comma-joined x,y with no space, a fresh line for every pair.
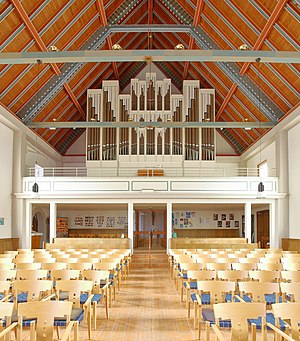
132,172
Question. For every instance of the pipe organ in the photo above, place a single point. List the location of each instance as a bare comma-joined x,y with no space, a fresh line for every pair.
150,100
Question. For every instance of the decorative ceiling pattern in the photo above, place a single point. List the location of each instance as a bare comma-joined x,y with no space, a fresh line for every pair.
252,91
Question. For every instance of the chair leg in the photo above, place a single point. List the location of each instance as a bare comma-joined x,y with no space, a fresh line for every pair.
89,324
195,315
189,309
95,315
76,331
207,331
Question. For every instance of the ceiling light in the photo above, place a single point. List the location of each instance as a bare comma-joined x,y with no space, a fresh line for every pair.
179,47
244,47
116,47
53,48
246,120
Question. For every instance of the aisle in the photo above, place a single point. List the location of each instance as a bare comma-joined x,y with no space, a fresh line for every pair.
147,306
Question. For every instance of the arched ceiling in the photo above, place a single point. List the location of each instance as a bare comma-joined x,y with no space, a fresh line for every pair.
60,89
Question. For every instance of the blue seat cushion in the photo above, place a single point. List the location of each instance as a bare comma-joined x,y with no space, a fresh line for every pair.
208,315
205,298
193,285
84,297
269,298
270,319
76,315
111,276
21,298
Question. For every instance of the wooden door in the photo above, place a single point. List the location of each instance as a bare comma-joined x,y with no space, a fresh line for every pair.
263,228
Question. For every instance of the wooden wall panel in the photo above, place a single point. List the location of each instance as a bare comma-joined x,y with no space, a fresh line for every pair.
9,244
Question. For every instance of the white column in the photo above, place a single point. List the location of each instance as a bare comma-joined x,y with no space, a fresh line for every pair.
275,242
25,241
169,224
248,221
282,207
130,224
18,214
52,223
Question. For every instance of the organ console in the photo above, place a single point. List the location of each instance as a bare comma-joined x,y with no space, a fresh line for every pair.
150,100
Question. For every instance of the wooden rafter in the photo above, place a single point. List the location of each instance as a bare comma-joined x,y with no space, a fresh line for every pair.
103,21
197,16
266,30
24,16
150,22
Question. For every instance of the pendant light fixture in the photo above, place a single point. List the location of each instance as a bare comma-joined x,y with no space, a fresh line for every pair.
261,186
35,187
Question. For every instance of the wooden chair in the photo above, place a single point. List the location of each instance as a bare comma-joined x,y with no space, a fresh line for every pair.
4,290
218,266
236,316
181,277
31,290
54,266
269,266
259,292
101,286
80,266
244,266
56,275
191,285
209,293
287,312
32,274
111,267
6,260
28,266
290,266
79,293
290,291
7,266
265,275
6,311
43,316
8,275
290,276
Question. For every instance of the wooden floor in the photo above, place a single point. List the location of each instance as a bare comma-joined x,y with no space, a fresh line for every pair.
147,306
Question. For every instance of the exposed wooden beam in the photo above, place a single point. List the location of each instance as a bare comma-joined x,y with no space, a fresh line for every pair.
103,21
266,30
24,16
226,100
197,16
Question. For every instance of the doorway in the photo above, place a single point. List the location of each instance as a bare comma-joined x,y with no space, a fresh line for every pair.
263,228
150,226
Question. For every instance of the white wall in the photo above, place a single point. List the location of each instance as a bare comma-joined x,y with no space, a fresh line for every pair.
34,153
75,156
267,154
223,147
294,181
6,164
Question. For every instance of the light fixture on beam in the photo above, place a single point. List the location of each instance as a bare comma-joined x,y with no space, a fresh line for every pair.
244,47
246,120
116,47
179,47
53,48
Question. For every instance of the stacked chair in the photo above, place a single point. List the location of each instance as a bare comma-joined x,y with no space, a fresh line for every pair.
240,290
45,290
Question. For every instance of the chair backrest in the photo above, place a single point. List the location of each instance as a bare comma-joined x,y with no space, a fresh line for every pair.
32,274
239,313
5,287
35,289
218,266
290,265
216,289
269,266
201,275
289,311
80,266
74,288
7,266
265,275
44,312
6,310
98,277
191,266
64,274
258,290
233,275
290,276
54,266
107,266
7,275
28,266
292,289
6,260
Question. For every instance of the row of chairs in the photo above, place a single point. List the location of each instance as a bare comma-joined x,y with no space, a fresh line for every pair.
221,277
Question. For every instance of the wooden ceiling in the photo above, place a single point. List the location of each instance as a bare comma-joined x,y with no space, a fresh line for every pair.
60,89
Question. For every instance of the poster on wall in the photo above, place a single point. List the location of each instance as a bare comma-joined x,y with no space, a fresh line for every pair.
78,221
1,221
100,220
236,223
215,216
89,221
228,223
220,223
110,221
223,216
122,221
62,227
231,216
